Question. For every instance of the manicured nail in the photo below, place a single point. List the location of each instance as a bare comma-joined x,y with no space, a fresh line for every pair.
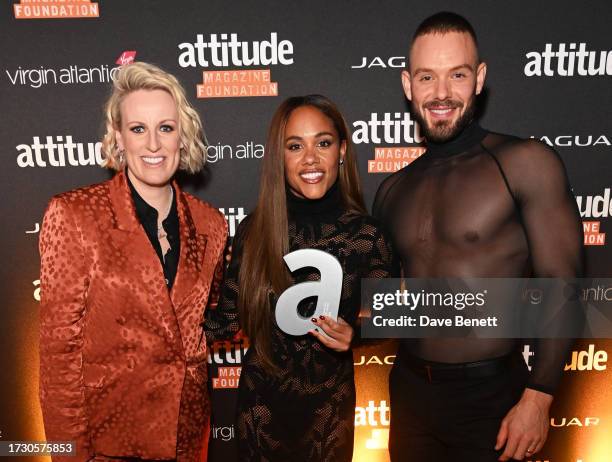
313,319
322,317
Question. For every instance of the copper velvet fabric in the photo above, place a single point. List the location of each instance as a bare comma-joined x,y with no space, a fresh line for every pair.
122,359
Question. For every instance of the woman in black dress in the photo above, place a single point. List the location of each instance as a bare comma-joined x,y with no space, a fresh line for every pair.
296,398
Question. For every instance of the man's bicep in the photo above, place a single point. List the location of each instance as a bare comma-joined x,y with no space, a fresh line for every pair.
549,213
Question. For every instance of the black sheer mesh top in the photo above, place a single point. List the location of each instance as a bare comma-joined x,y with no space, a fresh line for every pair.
307,411
324,224
484,205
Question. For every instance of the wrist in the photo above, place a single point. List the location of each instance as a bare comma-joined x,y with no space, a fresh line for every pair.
543,400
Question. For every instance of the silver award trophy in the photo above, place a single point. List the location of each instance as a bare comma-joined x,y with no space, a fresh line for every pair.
327,291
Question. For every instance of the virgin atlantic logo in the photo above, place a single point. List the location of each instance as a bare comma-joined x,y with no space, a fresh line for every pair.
127,57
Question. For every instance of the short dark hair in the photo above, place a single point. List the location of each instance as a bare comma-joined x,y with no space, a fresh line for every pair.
443,23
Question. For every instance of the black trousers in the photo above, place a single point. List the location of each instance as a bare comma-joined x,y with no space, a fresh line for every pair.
452,419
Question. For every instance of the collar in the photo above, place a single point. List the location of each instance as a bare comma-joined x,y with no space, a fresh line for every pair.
471,136
124,207
145,213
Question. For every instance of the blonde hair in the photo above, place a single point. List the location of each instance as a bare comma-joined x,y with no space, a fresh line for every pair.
144,76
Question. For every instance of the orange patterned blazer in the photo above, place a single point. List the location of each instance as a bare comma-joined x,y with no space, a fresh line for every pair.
122,359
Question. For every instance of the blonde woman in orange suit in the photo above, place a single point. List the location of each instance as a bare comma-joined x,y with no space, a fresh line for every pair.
127,268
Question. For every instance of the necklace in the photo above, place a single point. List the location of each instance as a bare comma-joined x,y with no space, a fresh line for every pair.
161,232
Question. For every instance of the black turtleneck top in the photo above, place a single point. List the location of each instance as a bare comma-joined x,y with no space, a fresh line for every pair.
307,411
484,205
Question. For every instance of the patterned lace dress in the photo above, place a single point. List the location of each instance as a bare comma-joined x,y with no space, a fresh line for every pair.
306,413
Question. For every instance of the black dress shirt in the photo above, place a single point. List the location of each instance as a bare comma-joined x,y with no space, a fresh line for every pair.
147,216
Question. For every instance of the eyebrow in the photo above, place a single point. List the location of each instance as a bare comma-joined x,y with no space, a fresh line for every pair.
295,137
142,123
456,68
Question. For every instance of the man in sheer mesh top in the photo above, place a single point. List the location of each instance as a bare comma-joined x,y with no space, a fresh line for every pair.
476,204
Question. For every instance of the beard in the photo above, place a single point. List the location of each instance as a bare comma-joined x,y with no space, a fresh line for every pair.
443,131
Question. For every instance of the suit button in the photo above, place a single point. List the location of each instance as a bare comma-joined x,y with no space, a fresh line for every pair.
131,363
120,320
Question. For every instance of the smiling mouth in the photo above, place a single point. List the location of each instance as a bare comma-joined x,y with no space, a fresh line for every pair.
442,111
152,160
312,176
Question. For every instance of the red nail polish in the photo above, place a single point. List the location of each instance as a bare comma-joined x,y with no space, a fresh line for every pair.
322,317
313,319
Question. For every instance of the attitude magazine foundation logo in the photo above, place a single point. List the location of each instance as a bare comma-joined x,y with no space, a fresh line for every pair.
599,206
226,50
225,359
55,9
398,131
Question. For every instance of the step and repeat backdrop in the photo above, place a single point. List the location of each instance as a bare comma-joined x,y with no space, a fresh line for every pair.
549,77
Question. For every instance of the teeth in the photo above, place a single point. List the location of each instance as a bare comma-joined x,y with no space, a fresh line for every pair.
440,111
311,175
152,160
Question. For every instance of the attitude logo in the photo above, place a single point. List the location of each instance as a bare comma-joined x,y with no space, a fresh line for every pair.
58,151
568,61
233,216
34,230
36,294
378,418
225,50
599,206
391,129
527,355
588,360
55,9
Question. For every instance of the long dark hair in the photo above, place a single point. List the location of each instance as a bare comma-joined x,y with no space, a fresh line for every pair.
266,240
